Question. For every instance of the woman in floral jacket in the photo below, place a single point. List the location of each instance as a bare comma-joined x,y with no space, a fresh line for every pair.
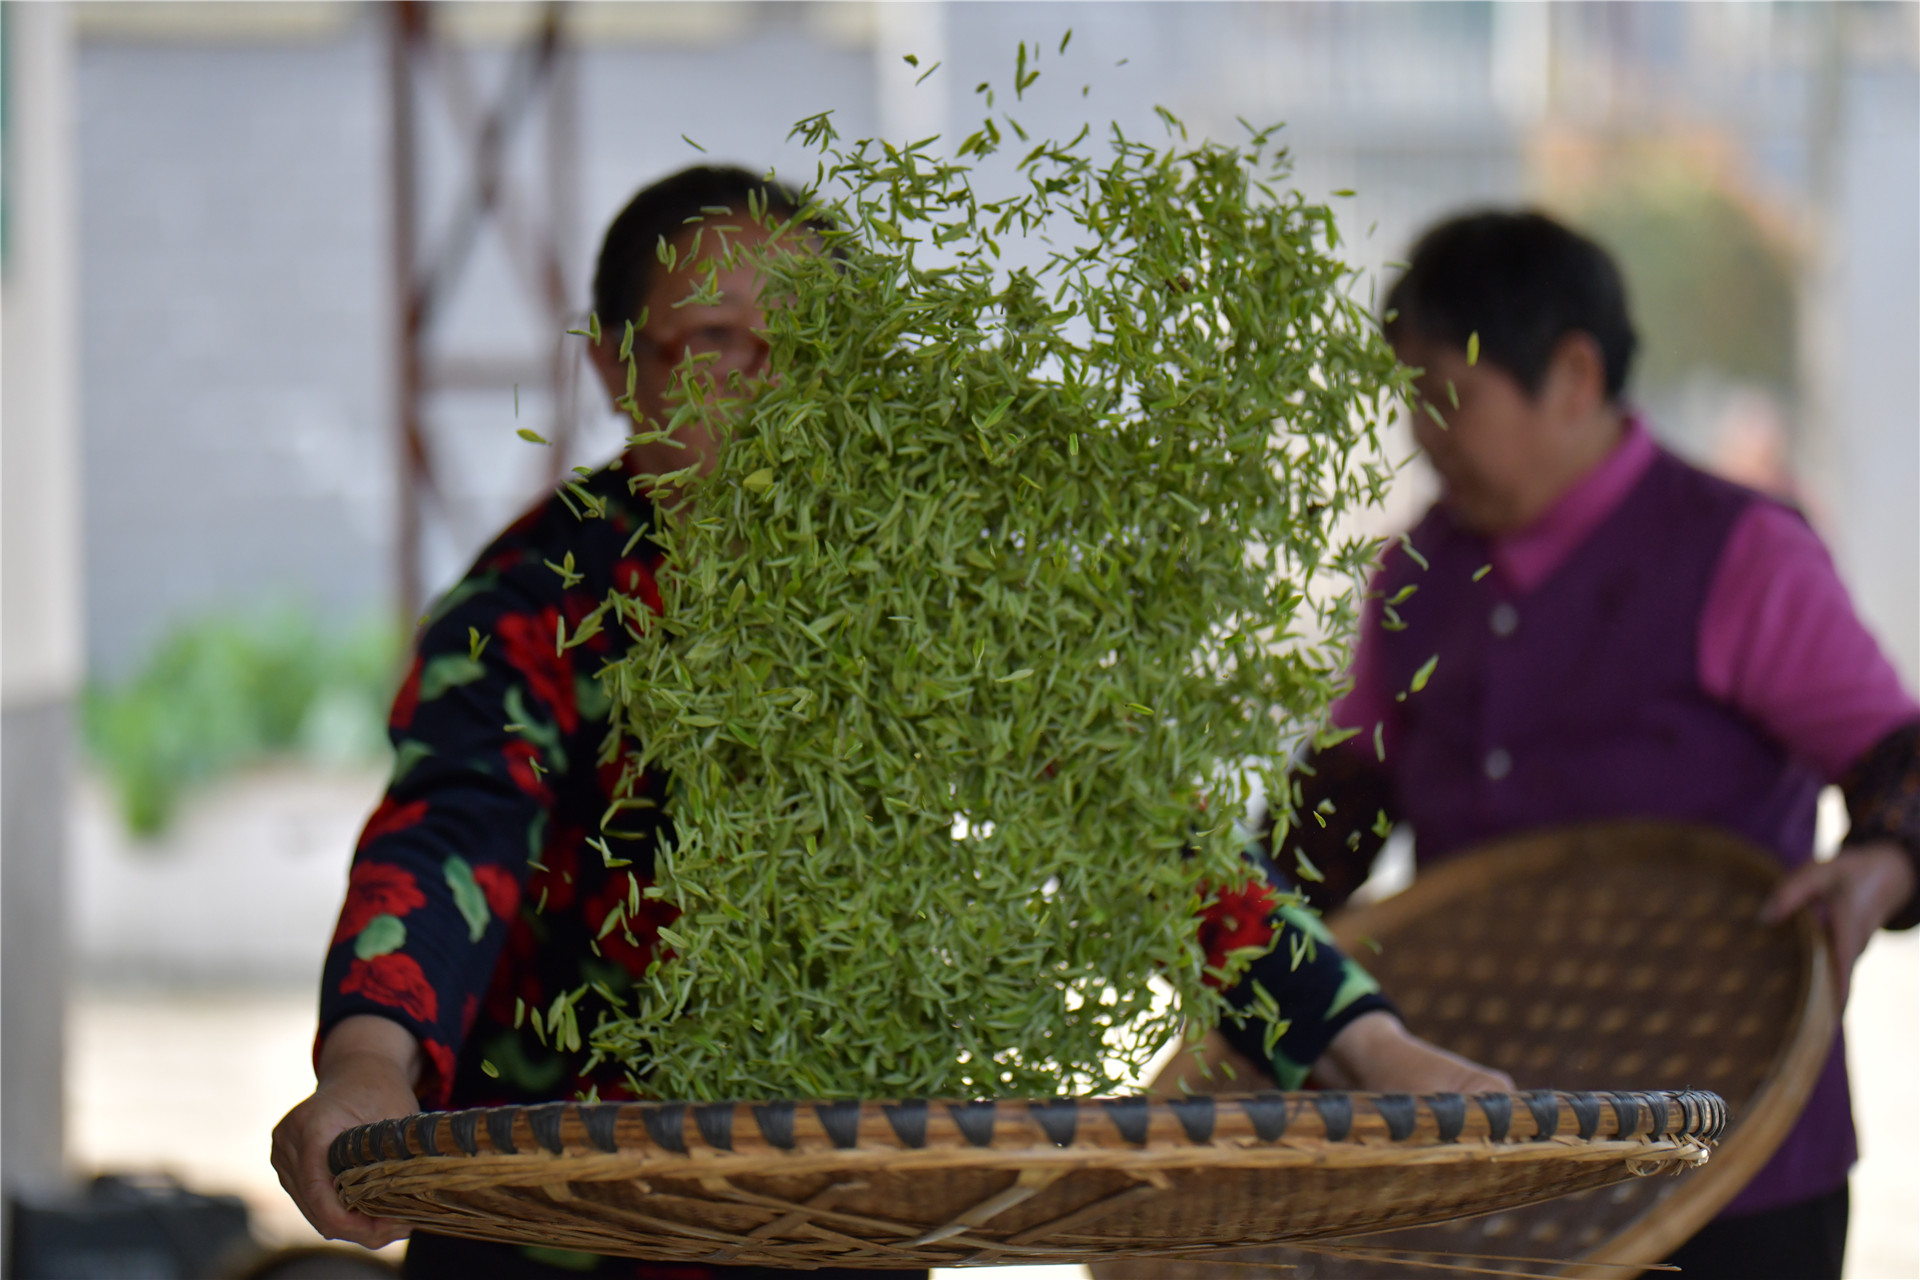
489,910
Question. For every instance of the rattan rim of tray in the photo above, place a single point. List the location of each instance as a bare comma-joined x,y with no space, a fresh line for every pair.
1774,1107
396,1167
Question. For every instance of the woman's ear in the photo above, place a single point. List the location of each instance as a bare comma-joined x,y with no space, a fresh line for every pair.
1576,381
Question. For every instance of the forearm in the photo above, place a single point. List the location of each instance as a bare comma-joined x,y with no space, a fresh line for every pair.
1319,992
1883,802
368,1042
1376,1052
1874,882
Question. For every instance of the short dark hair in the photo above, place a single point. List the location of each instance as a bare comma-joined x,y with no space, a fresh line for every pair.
1522,282
630,249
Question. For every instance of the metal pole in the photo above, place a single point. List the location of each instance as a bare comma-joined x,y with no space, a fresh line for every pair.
563,179
407,21
426,267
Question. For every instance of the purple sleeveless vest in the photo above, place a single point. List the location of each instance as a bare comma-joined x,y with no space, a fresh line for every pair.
1580,700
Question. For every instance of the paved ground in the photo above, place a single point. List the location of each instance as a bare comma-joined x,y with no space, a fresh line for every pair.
170,1069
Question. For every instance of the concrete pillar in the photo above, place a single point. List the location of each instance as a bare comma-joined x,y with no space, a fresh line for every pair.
1860,325
1876,395
40,612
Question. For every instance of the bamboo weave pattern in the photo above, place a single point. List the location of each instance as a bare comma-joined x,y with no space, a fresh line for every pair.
916,1183
1608,955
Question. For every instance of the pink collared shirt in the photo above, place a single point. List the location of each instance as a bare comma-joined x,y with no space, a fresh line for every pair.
1778,638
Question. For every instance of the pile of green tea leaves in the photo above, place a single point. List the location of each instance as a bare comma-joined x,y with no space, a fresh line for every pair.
1009,587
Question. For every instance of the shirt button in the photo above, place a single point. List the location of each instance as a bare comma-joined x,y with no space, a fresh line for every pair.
1504,619
1499,763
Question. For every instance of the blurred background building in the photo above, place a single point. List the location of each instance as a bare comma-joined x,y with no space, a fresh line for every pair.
283,280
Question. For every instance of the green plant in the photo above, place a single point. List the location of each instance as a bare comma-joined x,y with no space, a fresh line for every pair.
1007,585
230,690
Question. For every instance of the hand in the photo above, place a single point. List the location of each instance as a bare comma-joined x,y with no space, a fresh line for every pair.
1376,1053
1858,890
367,1070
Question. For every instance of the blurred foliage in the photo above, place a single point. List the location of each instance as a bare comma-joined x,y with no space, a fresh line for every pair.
1710,283
231,690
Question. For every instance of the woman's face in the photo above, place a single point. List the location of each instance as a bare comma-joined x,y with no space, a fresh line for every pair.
1485,452
1504,454
728,331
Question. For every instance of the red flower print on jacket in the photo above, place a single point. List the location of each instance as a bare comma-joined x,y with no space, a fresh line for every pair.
376,889
514,974
407,701
608,773
527,643
553,888
635,578
643,927
1238,918
391,817
395,980
520,756
439,1081
502,890
578,605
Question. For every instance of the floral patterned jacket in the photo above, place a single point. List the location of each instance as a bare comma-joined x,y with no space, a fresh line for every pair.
489,913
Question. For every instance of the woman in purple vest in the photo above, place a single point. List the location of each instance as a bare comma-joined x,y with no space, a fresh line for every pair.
1618,635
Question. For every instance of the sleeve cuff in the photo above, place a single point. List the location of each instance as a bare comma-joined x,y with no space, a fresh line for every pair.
437,1060
1883,803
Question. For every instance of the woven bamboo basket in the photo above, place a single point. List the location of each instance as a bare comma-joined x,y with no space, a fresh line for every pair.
903,1184
1617,955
